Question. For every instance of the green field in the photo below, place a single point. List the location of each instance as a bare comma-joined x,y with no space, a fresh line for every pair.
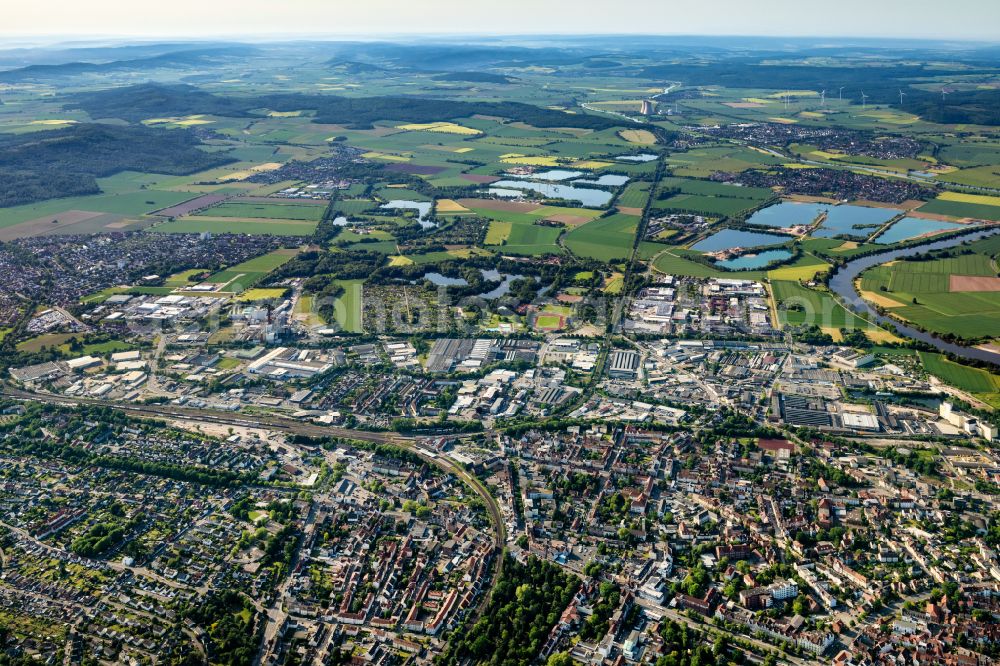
707,205
527,238
922,291
973,380
244,275
123,203
834,247
674,262
353,206
309,213
703,162
798,305
604,239
197,225
704,197
962,209
710,188
980,176
347,308
635,195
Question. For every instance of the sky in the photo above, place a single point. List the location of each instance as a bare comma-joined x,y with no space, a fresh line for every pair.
938,19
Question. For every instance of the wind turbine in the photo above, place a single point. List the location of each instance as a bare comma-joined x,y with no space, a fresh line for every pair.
822,99
901,96
944,93
841,93
786,100
864,100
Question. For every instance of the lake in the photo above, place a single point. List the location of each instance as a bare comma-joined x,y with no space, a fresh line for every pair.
728,238
553,174
912,227
612,180
443,280
788,214
644,157
586,196
507,194
423,209
491,275
501,289
858,221
751,261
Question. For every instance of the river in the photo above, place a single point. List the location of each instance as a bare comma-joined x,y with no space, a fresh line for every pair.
842,283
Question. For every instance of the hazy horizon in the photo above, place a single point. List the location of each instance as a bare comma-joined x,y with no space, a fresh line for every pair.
47,20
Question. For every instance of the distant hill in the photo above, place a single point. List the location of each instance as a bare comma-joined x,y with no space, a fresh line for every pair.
153,100
475,77
137,103
66,162
174,60
354,67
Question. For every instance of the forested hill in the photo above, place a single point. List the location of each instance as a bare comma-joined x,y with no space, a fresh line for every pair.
67,162
880,83
137,103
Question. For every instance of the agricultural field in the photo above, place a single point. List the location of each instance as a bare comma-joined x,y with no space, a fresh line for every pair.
940,295
702,197
707,205
980,176
703,162
605,239
528,238
640,137
244,275
223,225
277,211
957,206
982,384
635,195
798,306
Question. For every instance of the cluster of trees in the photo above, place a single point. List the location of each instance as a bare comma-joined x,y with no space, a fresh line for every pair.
524,607
279,548
229,619
684,646
68,161
925,464
99,538
596,625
